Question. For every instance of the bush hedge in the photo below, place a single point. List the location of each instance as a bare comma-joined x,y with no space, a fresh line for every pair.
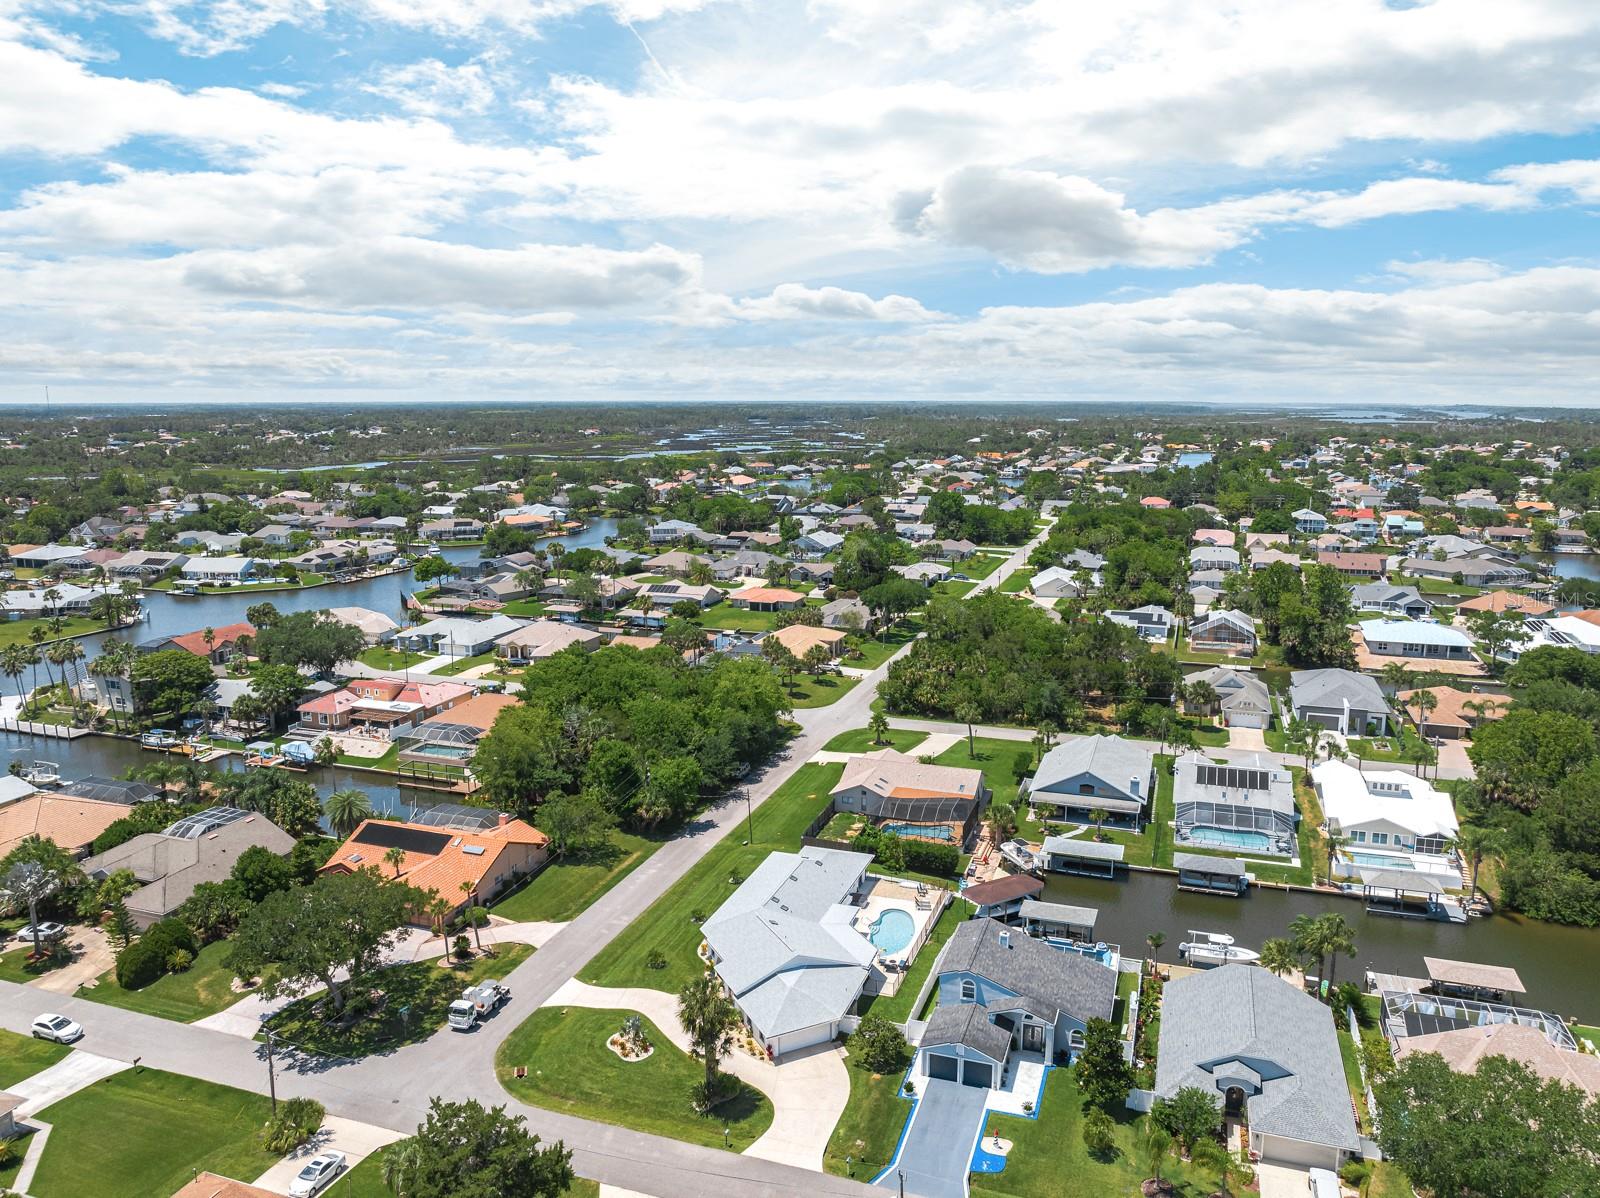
150,956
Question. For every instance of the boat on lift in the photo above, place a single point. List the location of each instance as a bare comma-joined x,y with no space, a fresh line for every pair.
1205,950
41,773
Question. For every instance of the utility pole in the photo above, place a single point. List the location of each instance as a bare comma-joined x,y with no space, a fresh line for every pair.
749,817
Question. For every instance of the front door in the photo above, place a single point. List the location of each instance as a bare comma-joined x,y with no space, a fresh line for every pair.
1032,1037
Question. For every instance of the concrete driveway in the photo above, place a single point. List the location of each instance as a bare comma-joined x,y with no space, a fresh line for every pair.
937,1149
1251,740
356,1140
1282,1181
92,955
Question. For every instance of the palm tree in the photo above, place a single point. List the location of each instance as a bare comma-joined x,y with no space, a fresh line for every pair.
878,725
469,910
346,809
1424,701
399,1166
1157,1144
1336,846
161,772
438,908
708,1018
969,713
1002,821
1153,942
1475,842
27,884
395,858
1099,815
1278,956
37,636
1208,1154
1308,939
1397,676
14,664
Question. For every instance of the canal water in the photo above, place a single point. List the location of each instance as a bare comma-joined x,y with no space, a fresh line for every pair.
1549,957
1569,565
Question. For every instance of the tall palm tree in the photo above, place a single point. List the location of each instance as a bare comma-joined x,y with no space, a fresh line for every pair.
37,637
1278,956
1336,937
469,889
1337,842
1099,815
1475,842
395,858
1153,942
1157,1144
346,809
708,1018
1423,701
162,772
1309,940
14,664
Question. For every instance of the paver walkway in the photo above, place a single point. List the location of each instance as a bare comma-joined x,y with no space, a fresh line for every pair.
356,1140
808,1089
937,1148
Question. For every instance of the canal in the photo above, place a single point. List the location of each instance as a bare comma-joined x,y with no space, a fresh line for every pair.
1549,957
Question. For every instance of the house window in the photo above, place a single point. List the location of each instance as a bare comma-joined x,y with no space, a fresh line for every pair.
1432,844
969,990
1380,838
1086,788
1359,837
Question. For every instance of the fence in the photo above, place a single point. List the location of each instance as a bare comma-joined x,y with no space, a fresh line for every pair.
1361,1067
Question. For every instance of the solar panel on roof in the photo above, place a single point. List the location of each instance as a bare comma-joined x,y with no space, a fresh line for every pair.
1233,777
395,836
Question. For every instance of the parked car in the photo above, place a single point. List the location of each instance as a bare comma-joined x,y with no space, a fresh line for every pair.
48,930
317,1174
58,1028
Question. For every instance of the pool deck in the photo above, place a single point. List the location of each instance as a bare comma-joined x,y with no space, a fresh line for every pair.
891,894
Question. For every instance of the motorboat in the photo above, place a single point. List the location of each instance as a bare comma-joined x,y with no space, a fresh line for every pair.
1020,857
159,738
41,773
1203,950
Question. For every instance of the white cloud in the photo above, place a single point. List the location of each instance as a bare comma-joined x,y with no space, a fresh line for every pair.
430,88
1445,270
793,301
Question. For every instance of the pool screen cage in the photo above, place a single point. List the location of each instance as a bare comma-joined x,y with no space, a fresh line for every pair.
441,735
925,811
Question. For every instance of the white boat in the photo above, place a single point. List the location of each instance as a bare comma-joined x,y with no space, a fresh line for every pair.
41,773
1206,949
1020,856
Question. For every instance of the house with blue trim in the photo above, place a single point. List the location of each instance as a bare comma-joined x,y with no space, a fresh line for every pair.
1003,996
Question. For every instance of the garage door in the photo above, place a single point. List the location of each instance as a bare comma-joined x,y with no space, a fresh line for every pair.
942,1068
1281,1151
978,1073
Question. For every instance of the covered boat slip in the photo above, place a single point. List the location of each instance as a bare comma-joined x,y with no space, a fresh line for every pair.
1210,875
1058,921
1409,894
1453,979
1096,859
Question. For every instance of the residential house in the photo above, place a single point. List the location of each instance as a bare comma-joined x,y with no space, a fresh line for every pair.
951,550
374,625
377,707
1242,697
786,946
1354,565
489,852
42,557
1390,820
452,736
145,564
1565,632
927,573
220,647
1455,712
1389,599
1475,571
800,638
1309,522
1465,1046
1222,630
1094,773
1247,806
219,571
215,1185
451,528
1222,559
1503,601
665,532
456,636
210,542
1005,996
70,821
197,848
902,795
1222,537
1416,639
1152,622
851,615
1062,582
1268,1052
542,639
1261,558
664,595
1339,700
677,562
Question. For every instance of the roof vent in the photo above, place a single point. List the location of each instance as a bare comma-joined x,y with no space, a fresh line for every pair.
1005,937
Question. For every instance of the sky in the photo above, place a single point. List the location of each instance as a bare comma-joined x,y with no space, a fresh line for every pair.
1258,200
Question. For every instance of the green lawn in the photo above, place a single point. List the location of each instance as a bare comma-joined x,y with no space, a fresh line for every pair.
1048,1158
10,1169
1388,1182
1016,582
565,888
953,590
23,1056
997,759
859,740
819,690
523,607
366,1181
203,989
1395,748
14,965
424,987
738,619
382,657
1265,654
388,761
876,650
898,1006
142,1133
462,664
869,1129
979,565
1352,1079
668,925
17,632
571,1070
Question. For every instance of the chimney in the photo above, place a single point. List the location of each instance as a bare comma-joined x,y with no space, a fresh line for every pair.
504,819
1133,787
1005,937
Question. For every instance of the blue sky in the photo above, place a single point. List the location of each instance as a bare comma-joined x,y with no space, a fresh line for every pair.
1269,200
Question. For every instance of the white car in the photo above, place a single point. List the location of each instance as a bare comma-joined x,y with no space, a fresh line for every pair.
318,1172
58,1028
47,931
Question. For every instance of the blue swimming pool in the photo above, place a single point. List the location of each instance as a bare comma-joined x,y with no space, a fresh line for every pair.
1379,860
891,931
926,831
1231,838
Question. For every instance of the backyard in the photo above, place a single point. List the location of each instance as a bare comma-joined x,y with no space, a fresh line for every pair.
1049,1160
143,1132
570,1068
17,632
898,1006
671,925
203,989
567,886
415,998
877,649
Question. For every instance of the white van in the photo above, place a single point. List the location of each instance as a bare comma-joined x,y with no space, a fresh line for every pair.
1322,1184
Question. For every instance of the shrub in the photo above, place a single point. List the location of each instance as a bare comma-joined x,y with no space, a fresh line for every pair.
879,1044
1099,1132
179,960
655,959
148,957
1355,1173
296,1122
463,948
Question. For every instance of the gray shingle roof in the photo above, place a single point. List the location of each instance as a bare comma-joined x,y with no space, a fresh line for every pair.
967,1024
1088,850
1221,866
1111,759
1074,984
1238,1019
1334,688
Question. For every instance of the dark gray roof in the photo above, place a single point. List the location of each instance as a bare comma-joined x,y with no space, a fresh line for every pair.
1088,850
1240,1020
1074,984
1222,866
967,1024
1334,688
